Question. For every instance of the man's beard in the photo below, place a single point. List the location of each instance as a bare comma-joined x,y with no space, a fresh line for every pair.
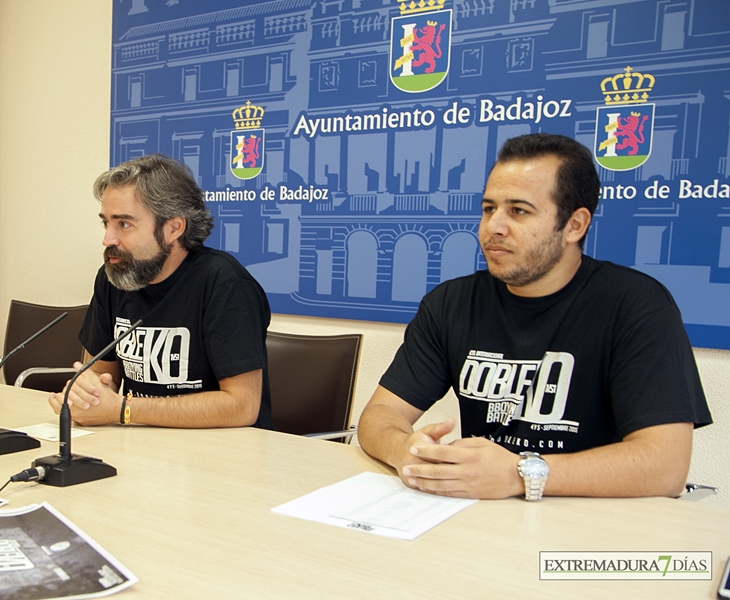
131,274
538,262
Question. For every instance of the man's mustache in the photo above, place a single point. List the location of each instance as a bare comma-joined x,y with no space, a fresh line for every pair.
114,252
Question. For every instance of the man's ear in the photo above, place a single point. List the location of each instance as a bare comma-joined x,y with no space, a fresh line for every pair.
174,228
577,225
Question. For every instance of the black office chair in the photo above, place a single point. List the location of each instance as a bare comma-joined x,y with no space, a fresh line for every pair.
45,363
312,381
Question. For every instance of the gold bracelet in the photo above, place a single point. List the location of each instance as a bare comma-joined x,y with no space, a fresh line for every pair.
128,409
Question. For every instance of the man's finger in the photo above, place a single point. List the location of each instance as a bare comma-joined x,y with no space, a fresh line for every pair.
441,486
438,430
440,453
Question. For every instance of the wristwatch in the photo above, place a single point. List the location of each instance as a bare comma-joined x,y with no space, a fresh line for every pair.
534,470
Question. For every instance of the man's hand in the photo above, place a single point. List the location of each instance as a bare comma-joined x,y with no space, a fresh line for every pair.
465,468
471,468
427,436
93,400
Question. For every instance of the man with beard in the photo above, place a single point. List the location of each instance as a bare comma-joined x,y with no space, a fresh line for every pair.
549,352
199,358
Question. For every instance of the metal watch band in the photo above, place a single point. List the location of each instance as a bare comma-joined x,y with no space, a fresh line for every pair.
534,486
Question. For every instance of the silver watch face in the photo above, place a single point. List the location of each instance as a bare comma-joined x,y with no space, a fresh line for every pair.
534,468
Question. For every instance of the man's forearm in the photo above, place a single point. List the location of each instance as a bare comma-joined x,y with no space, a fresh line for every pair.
649,462
236,404
381,432
95,401
201,410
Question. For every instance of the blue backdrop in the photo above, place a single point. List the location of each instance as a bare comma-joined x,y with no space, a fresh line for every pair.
343,145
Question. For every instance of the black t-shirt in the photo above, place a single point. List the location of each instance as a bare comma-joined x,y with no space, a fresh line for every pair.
204,323
603,357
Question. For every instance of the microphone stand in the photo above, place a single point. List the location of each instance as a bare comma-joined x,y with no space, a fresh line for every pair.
64,469
17,441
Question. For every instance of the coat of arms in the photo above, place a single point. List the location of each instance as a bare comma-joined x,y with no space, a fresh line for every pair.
420,41
625,125
247,141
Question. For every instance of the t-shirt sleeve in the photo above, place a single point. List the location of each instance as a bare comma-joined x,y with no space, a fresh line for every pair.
235,323
419,373
654,378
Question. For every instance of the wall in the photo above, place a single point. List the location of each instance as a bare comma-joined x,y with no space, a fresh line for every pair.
55,63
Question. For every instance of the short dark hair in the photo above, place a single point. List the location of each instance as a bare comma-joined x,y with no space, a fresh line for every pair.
577,184
166,187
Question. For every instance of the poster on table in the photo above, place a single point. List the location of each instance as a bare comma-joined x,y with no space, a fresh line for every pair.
43,555
343,145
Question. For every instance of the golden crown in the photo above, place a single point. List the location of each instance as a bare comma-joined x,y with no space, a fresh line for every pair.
248,116
628,87
409,7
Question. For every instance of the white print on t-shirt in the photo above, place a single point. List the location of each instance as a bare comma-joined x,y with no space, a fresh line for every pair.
519,389
154,354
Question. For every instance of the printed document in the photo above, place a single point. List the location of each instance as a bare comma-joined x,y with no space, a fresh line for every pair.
375,503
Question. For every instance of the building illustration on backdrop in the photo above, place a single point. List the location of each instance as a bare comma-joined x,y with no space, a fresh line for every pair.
358,189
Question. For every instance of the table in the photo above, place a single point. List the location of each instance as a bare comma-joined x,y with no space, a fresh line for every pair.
189,514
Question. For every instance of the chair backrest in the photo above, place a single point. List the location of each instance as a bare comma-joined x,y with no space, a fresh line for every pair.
312,381
57,347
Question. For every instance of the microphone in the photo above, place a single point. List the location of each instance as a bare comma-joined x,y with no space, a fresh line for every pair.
17,441
64,469
3,360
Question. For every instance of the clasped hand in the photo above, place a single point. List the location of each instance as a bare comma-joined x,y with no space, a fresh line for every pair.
93,400
464,468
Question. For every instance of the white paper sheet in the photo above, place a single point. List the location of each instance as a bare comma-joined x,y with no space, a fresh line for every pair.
375,503
50,431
